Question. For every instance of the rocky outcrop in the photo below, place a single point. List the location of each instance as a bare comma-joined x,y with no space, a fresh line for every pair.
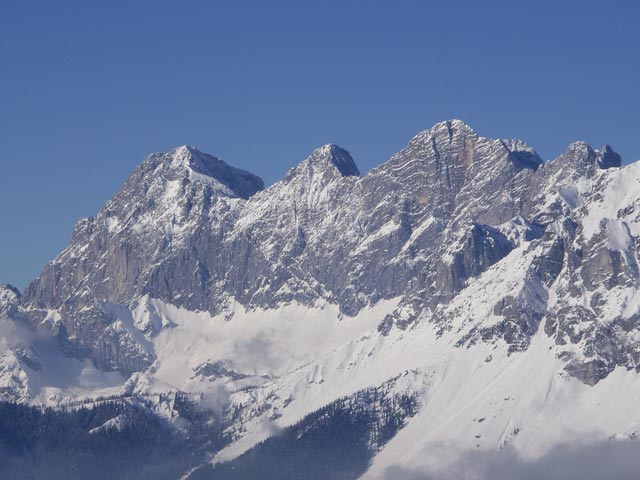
9,299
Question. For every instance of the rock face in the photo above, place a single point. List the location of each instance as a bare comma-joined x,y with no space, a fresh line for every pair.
161,235
438,218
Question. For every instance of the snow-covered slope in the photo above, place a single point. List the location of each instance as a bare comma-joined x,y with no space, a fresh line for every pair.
499,290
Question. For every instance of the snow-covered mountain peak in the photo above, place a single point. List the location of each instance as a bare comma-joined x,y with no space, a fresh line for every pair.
338,157
457,141
452,127
448,132
207,168
326,161
579,148
580,160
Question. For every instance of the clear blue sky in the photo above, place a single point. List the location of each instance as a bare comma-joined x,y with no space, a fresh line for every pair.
89,88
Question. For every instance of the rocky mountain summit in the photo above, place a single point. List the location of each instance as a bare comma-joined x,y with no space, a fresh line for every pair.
471,242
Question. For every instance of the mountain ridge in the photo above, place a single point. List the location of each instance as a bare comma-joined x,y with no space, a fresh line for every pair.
449,162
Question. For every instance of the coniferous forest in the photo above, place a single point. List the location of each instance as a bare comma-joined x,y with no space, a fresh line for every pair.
337,441
62,444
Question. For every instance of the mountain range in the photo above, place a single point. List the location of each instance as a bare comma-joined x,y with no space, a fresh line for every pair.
461,301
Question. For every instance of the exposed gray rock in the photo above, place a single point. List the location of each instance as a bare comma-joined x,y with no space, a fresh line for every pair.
216,369
607,158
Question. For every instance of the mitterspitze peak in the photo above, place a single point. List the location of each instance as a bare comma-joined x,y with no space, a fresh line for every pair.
329,160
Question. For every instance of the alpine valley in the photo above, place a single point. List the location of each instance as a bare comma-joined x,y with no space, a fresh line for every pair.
464,310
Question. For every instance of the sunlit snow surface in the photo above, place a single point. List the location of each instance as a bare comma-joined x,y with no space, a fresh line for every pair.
48,376
471,398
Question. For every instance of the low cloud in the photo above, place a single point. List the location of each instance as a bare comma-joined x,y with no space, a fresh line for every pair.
13,334
215,400
619,460
257,351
